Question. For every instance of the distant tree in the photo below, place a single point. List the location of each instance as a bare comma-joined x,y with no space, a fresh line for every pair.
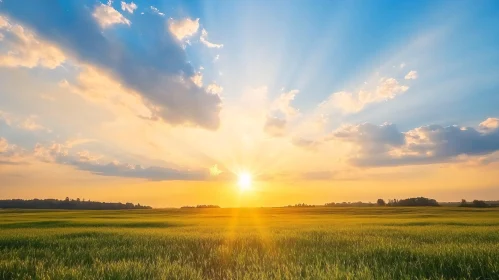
67,204
480,204
463,202
380,202
414,201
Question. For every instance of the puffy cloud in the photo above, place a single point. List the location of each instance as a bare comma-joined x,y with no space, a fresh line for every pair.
10,154
283,104
204,40
275,127
214,89
97,87
280,113
490,124
156,11
4,145
350,102
370,138
4,22
107,16
412,75
160,74
197,79
128,7
30,123
386,145
183,28
26,50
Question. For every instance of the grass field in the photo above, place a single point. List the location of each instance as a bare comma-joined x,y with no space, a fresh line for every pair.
266,243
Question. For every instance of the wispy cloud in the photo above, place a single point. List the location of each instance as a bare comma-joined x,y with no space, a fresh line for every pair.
204,40
156,11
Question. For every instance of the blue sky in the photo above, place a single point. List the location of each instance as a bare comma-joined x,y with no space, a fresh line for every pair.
179,92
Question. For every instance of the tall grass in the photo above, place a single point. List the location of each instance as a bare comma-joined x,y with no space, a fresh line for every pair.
315,243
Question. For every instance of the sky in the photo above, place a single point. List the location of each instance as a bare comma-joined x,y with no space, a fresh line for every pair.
172,103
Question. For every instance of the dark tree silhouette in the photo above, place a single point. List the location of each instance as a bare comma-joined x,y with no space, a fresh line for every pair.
415,201
380,202
67,204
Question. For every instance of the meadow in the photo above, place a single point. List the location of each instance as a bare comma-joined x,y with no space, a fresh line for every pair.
259,243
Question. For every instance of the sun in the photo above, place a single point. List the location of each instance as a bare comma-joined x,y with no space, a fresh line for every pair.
244,181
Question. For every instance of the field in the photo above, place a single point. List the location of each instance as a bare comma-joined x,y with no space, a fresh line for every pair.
261,243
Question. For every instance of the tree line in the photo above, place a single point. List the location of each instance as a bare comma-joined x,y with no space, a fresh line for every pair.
68,204
200,206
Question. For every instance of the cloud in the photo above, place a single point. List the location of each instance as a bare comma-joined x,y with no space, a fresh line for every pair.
160,73
204,40
96,86
283,104
215,171
412,75
305,143
107,16
402,65
156,11
197,79
128,7
275,127
24,49
349,102
10,154
4,145
30,123
214,89
183,28
386,145
60,154
490,124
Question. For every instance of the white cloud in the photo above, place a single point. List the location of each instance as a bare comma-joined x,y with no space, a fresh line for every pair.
204,40
214,89
156,11
283,104
183,28
25,49
128,7
350,102
217,57
412,75
402,65
107,16
197,79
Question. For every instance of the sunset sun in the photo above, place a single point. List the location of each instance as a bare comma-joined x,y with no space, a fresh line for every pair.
244,181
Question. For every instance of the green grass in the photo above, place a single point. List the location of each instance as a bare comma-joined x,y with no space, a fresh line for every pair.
285,243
